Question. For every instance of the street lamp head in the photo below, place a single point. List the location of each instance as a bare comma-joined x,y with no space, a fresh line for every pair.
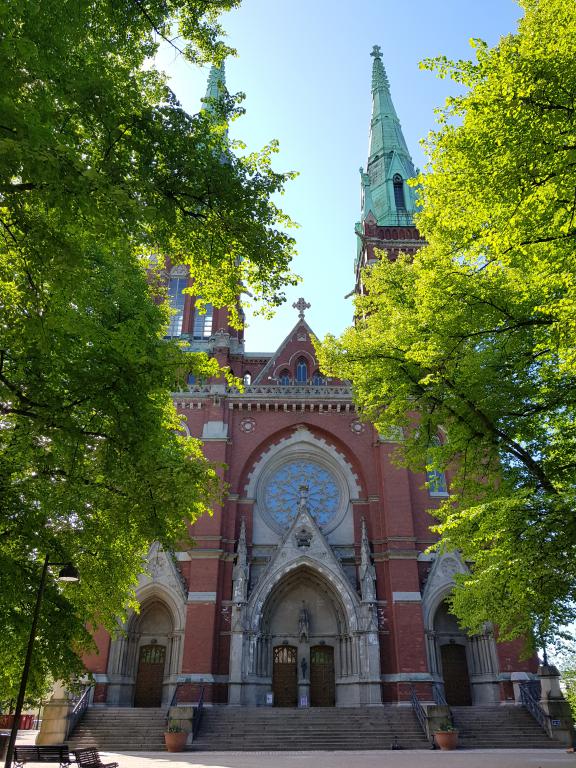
69,573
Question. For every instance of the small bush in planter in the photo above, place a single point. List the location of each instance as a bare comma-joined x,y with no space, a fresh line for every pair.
446,735
175,737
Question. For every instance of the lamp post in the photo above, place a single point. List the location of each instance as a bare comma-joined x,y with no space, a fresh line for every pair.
67,573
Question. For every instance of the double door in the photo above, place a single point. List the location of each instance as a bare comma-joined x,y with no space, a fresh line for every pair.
285,676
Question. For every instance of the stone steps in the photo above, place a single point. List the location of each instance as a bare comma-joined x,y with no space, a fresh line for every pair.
121,728
503,727
253,729
260,728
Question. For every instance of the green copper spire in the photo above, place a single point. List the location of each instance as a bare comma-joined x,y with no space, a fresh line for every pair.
385,195
216,82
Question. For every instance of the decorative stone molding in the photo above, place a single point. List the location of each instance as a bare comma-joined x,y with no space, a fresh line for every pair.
440,583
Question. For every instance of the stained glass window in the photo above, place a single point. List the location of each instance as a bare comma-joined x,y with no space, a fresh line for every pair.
282,492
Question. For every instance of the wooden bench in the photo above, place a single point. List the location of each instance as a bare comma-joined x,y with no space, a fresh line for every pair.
51,753
89,758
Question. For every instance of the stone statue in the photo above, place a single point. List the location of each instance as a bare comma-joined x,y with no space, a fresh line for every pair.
303,500
240,573
367,570
304,624
304,668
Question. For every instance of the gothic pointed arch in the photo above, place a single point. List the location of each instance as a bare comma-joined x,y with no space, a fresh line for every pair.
151,641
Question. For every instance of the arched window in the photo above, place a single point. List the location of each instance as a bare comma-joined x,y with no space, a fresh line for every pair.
399,192
191,378
436,480
202,328
247,379
318,380
284,378
176,301
301,371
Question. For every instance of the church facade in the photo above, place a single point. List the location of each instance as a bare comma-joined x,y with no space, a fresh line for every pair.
311,584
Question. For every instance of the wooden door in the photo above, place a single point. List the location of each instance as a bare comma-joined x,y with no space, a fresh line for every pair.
455,673
322,682
285,676
150,676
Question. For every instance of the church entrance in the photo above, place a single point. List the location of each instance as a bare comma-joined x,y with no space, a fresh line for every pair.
455,672
285,676
150,676
322,677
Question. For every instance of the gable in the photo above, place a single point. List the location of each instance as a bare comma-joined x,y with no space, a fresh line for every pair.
298,344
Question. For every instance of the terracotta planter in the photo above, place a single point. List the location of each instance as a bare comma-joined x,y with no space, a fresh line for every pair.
446,739
175,742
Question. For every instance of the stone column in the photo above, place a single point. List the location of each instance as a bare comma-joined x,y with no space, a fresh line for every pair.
236,656
55,718
555,705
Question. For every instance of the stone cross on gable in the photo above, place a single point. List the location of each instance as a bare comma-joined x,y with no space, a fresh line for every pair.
376,52
301,305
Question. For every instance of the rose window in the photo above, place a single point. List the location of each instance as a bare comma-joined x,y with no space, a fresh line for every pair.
283,490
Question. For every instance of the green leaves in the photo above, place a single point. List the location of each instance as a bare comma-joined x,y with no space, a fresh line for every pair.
100,165
476,334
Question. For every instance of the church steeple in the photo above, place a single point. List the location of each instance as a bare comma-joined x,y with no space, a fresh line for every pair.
216,82
386,197
388,203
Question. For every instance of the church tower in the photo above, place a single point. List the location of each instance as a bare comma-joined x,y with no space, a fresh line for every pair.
388,202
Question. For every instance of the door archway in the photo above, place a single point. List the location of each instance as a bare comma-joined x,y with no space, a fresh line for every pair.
455,673
452,643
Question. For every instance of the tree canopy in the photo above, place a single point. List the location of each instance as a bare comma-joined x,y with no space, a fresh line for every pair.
100,169
474,338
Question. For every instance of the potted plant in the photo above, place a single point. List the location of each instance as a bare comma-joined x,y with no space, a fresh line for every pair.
175,737
446,735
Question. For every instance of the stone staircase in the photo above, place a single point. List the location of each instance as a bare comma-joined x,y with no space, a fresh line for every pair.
125,729
112,729
263,728
499,727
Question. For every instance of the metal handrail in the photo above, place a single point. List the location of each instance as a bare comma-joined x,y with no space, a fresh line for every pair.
438,695
198,714
78,710
532,704
420,713
173,700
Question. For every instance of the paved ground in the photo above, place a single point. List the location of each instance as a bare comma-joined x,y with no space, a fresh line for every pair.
473,758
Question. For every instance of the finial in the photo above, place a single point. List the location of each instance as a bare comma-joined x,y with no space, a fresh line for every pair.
301,305
379,77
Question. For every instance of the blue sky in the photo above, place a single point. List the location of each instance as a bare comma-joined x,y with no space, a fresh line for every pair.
305,68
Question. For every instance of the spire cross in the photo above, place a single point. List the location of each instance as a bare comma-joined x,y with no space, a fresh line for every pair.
376,52
301,305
